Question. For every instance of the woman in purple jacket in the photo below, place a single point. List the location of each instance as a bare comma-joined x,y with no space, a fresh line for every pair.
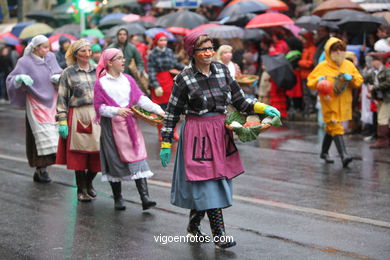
32,85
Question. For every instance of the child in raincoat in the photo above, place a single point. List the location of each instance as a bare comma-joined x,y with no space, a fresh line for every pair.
336,107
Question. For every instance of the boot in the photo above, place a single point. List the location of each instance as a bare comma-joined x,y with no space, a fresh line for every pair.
383,137
41,175
345,157
326,143
90,189
193,227
142,187
81,181
218,229
117,194
159,126
176,136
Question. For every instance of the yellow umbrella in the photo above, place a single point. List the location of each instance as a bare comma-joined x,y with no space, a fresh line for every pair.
34,30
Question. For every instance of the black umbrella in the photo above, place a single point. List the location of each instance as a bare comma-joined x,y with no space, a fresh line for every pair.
280,70
40,15
242,8
310,23
361,23
240,19
254,34
184,19
110,23
73,29
340,14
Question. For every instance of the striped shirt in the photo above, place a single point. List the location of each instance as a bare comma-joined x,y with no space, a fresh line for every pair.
197,94
75,89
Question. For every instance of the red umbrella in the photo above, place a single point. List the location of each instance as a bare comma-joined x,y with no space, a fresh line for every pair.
273,4
203,26
149,19
54,40
332,5
178,30
269,20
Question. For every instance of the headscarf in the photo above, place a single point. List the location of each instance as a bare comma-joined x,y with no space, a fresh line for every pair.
72,50
189,41
157,37
106,56
36,41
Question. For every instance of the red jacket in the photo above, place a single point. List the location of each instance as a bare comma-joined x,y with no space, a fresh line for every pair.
306,64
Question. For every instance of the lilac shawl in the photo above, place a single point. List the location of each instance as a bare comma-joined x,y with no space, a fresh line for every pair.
40,71
101,97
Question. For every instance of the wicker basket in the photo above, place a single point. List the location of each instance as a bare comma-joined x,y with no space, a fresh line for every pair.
247,79
148,119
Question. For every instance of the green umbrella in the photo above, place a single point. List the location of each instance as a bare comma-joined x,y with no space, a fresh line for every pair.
34,30
92,32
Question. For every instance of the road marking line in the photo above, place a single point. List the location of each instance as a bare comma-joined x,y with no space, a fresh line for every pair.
256,201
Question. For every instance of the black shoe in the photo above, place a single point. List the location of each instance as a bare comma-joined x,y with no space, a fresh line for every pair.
41,177
118,204
326,143
142,187
117,194
90,189
345,157
326,158
81,181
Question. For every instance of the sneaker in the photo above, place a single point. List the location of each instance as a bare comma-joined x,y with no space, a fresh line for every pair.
224,245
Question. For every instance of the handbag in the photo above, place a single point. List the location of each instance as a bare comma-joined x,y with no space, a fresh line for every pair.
142,78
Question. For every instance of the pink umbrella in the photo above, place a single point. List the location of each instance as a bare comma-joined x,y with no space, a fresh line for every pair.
149,19
293,28
178,30
203,26
269,20
131,18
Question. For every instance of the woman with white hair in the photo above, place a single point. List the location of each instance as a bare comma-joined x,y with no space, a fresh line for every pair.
224,55
32,85
79,144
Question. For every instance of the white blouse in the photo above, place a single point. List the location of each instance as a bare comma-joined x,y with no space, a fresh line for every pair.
119,90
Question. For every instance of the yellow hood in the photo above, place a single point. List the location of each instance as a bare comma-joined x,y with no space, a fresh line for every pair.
329,43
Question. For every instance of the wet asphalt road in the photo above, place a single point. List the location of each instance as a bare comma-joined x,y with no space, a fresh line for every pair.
287,205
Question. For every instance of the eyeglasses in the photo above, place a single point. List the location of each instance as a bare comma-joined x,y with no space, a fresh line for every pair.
211,49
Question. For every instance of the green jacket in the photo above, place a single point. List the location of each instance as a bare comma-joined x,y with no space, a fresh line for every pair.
130,52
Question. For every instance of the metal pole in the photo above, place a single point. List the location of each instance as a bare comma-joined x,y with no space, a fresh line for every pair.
20,11
82,20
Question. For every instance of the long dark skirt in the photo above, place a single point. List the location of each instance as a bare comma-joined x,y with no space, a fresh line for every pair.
34,160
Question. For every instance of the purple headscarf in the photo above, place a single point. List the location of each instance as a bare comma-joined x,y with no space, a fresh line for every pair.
189,41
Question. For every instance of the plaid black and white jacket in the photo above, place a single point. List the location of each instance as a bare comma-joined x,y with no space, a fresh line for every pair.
197,94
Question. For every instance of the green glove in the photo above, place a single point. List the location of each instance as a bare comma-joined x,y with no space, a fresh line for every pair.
63,131
165,156
23,78
271,111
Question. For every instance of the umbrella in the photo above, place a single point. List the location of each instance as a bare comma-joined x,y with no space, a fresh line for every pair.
309,23
242,7
114,3
165,4
225,31
34,30
254,34
73,29
184,19
375,5
17,29
149,19
41,15
132,28
212,2
269,20
110,23
385,15
145,24
239,20
113,16
280,70
93,32
273,4
293,29
333,5
131,17
202,27
340,14
361,23
55,38
8,40
178,30
152,32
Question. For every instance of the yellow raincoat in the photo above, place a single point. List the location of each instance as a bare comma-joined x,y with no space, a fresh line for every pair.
336,108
